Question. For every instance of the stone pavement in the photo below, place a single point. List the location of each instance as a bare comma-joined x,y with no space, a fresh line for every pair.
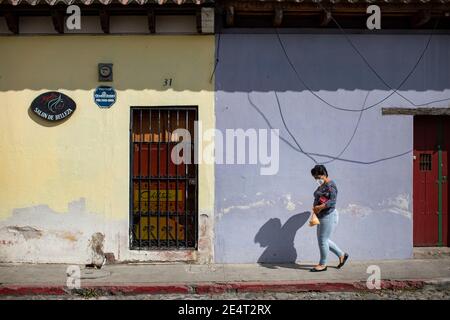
21,279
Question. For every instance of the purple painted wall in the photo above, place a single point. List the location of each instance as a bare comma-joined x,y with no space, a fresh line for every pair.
264,218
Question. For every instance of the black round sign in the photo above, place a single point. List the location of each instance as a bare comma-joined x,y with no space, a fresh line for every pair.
53,106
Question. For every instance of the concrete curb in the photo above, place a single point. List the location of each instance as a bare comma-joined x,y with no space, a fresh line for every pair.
209,288
442,282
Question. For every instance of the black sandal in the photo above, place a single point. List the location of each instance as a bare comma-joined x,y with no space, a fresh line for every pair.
317,270
341,264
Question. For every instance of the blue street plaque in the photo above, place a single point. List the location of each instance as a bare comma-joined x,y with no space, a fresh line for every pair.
105,96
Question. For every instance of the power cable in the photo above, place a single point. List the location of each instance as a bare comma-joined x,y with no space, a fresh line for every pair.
363,107
373,69
320,154
305,84
217,59
353,134
290,133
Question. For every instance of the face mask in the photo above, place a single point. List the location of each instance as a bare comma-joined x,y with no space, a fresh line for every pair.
319,181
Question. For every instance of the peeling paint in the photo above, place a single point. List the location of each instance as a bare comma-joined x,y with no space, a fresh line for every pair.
6,243
285,200
356,210
39,234
97,244
205,239
399,205
260,203
70,236
27,232
290,205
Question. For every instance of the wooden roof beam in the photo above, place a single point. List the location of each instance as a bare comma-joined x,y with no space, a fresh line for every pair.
278,17
325,18
104,20
151,21
58,20
241,6
229,16
432,111
12,21
198,18
421,18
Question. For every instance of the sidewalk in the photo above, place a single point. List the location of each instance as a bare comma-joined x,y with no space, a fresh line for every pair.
23,279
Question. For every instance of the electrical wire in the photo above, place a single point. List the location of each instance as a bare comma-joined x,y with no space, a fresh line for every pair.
290,133
320,154
353,134
305,84
363,107
355,48
217,59
395,91
315,94
361,110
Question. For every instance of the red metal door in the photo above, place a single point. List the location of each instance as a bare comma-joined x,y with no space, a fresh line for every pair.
430,187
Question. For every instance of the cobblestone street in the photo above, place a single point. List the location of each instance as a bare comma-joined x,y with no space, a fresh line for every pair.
427,293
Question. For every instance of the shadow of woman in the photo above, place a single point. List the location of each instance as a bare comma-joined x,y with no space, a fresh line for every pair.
279,240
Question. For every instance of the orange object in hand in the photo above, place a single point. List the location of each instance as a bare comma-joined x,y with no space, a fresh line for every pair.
314,220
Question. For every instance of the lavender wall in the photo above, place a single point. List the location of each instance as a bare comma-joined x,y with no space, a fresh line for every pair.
264,218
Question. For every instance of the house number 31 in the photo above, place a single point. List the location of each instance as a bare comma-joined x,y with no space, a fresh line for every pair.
168,82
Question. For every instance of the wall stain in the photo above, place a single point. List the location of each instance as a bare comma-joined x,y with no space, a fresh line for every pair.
27,232
70,236
96,244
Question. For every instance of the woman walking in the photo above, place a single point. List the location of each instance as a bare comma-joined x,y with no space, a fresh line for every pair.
325,208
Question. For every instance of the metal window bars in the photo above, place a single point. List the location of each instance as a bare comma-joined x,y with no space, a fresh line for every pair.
163,195
425,162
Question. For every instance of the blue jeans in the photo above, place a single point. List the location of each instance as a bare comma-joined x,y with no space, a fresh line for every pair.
324,230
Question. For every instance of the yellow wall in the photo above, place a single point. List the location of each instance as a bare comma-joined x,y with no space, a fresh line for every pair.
87,156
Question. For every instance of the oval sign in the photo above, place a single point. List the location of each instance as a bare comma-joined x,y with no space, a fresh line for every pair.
53,106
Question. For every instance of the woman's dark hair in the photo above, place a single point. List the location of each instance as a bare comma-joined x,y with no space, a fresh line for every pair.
319,170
